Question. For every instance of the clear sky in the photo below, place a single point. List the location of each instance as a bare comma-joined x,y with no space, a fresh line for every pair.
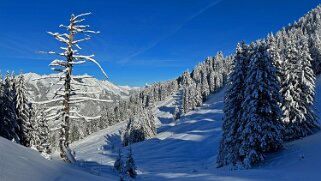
141,41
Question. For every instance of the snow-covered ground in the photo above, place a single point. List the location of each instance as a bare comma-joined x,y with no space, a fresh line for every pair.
18,163
184,149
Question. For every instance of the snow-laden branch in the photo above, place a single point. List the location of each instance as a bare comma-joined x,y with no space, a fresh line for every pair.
90,58
59,37
53,108
57,62
45,52
76,102
82,77
78,46
77,63
57,91
47,77
87,118
79,21
89,99
57,127
81,40
81,84
73,17
48,101
54,117
77,93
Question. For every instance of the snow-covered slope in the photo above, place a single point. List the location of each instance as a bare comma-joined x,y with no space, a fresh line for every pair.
186,149
18,163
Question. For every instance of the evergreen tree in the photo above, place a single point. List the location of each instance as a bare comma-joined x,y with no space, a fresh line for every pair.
9,127
131,165
22,110
205,86
260,129
298,89
43,133
119,165
139,128
232,107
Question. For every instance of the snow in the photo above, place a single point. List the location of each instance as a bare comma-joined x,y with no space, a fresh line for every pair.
96,85
186,149
183,149
19,164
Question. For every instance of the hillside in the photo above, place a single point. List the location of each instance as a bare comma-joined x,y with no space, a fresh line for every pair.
186,149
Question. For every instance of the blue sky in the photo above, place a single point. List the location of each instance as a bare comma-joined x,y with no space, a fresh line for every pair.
141,41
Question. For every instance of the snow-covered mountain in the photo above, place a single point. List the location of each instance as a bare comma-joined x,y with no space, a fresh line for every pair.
41,89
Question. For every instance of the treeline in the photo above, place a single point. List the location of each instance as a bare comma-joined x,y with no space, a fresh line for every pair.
271,92
207,77
19,121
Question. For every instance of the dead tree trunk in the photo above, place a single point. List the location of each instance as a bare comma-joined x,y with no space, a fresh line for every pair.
65,67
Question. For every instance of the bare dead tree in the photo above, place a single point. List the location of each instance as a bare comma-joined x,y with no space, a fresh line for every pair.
67,94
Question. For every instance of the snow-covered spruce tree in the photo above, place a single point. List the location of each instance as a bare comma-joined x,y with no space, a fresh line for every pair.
259,131
67,95
186,101
275,56
9,127
22,110
205,89
131,165
119,165
315,51
298,88
234,97
34,134
43,145
139,128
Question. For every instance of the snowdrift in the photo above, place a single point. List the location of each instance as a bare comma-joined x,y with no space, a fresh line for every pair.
18,163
